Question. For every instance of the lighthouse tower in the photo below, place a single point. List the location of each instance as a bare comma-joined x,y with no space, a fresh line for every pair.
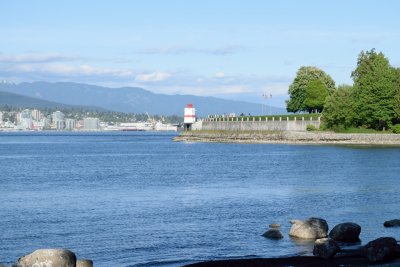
189,117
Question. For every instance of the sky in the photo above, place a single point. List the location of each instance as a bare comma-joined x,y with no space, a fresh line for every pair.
230,49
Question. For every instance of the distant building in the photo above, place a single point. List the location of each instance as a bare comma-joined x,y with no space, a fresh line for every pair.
1,117
25,120
58,120
70,124
39,125
25,114
37,115
91,124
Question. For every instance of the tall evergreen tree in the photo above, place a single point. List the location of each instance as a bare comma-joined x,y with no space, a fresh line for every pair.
397,98
374,90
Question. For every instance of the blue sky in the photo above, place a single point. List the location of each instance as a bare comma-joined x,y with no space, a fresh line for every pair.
229,49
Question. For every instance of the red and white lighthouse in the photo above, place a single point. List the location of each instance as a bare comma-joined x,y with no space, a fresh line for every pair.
189,117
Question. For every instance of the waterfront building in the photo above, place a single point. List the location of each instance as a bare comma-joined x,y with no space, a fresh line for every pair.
58,120
1,118
24,119
189,117
38,125
25,114
70,124
91,124
37,115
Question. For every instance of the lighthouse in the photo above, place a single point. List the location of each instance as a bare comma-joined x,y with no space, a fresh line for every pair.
189,117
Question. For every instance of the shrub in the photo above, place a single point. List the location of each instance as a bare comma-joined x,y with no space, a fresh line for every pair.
396,129
311,127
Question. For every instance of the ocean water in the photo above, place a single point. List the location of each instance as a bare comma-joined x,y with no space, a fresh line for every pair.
140,199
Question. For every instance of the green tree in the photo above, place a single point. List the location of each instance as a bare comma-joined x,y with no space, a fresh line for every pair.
339,108
316,93
397,98
374,90
297,90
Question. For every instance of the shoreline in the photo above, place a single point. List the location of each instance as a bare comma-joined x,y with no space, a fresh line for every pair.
295,261
289,137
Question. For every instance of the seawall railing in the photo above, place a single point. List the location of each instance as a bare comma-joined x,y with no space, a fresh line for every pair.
259,123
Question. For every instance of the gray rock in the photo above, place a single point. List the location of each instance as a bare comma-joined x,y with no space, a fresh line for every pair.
325,248
274,225
48,258
312,228
84,263
392,223
273,234
381,249
346,232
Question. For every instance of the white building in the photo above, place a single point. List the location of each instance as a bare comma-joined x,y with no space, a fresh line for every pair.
37,115
70,124
1,118
58,120
25,121
25,114
91,124
39,125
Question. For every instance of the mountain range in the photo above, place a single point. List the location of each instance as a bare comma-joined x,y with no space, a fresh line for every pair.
124,99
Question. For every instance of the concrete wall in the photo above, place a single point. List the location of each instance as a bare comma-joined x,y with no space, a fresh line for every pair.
237,124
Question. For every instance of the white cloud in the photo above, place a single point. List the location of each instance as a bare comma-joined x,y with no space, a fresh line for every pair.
152,77
70,70
177,50
36,58
219,74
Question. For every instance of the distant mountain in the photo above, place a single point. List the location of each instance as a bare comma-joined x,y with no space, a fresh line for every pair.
131,99
21,101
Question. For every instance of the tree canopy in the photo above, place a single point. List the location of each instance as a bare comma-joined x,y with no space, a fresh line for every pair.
339,108
372,102
298,88
316,93
375,90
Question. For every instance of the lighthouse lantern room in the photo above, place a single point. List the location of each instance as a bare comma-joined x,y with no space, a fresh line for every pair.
189,117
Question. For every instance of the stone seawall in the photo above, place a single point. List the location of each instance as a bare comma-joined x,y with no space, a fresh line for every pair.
257,124
289,137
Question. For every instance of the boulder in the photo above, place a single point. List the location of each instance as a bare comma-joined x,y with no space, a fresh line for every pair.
274,225
325,248
273,234
84,263
392,223
346,232
48,258
381,249
312,228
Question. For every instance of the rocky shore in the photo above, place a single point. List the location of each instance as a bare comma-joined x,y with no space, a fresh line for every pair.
51,258
330,248
288,137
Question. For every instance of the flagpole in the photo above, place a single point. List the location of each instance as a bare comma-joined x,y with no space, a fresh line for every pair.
267,95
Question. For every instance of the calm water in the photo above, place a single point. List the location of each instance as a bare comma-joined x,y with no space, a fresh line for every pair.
139,199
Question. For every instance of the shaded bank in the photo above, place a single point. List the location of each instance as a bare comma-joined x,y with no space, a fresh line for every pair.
289,137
